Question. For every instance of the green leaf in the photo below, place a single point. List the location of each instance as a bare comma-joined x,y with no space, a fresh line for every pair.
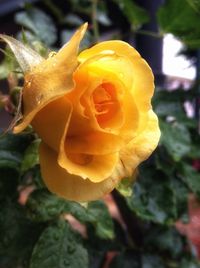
176,139
101,219
134,13
128,259
96,214
59,246
153,197
31,156
8,64
165,108
195,4
39,23
162,239
44,206
191,177
17,235
181,19
125,187
134,259
152,261
10,159
11,150
8,183
188,262
15,143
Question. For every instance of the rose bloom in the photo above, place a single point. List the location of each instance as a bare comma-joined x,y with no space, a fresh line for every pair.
93,114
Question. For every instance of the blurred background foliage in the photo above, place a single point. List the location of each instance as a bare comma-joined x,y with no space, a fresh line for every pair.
40,230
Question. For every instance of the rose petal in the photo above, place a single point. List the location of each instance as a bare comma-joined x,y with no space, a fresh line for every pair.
96,168
69,186
26,57
139,149
95,143
51,122
44,83
130,67
105,67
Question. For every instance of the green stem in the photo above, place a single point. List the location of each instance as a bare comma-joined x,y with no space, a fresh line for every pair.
149,33
132,222
94,21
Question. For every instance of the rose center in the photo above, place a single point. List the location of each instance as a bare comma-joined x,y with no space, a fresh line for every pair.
80,159
103,98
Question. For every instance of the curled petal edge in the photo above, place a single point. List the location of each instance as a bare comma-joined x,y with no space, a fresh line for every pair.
69,186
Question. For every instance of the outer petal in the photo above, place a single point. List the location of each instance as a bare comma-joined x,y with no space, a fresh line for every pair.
51,122
49,80
26,57
139,149
96,168
69,186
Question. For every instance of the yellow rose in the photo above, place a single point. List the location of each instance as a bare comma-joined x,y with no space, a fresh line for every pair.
93,113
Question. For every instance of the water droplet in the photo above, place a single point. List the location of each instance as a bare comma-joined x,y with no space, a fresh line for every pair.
108,51
28,83
39,98
52,54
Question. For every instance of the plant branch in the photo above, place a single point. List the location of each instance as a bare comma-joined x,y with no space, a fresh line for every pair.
94,21
131,221
149,33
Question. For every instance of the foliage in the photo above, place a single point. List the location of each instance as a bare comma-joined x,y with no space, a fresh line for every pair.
181,18
38,232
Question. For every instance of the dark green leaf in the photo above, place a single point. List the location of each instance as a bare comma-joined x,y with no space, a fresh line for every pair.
59,246
101,219
134,13
181,19
17,235
31,157
129,259
187,262
11,150
125,187
96,213
15,143
164,108
195,4
8,65
152,261
8,183
39,23
44,206
162,239
191,177
10,159
176,139
153,197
